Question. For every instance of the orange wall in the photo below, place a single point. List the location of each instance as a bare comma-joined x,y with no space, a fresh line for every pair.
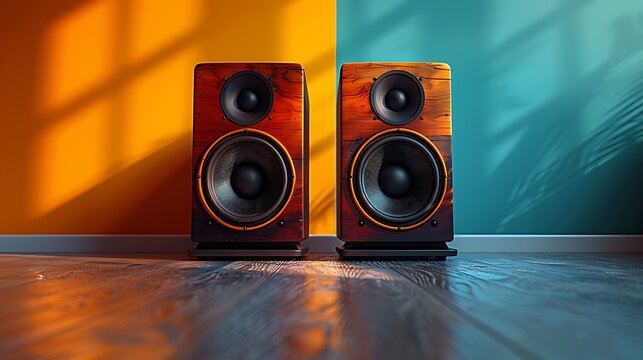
96,105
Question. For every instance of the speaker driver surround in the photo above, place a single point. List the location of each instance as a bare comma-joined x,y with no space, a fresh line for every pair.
397,97
245,179
246,98
398,179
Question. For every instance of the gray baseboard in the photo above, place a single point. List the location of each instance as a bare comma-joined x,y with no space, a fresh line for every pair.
317,243
549,243
95,243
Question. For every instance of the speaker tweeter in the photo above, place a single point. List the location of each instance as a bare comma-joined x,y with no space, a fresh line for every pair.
246,98
397,97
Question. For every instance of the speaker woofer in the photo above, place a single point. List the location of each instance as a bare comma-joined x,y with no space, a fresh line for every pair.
398,179
397,97
245,179
246,98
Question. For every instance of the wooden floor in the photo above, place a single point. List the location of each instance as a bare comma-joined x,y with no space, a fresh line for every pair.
472,306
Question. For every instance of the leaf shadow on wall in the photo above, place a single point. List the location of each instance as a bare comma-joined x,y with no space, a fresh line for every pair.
575,178
544,134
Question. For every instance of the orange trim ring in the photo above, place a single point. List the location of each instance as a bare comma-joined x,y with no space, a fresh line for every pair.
352,169
200,185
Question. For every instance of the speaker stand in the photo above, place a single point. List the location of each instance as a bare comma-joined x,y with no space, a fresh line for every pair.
205,250
391,251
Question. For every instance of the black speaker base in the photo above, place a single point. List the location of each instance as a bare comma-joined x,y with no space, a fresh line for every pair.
393,251
205,251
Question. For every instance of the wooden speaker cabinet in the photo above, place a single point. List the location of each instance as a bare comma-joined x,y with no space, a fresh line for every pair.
250,160
394,193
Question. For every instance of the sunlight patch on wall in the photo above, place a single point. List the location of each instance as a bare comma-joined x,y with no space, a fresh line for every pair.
531,15
155,24
402,37
158,104
383,10
619,28
128,109
113,99
79,52
315,49
70,158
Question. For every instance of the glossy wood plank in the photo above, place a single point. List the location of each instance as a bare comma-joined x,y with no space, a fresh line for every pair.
394,318
535,313
608,295
88,308
298,314
471,306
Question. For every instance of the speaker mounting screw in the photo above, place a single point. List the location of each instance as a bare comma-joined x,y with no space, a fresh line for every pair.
245,129
434,223
269,117
224,117
282,223
210,223
245,228
421,117
361,223
270,78
374,117
420,78
374,79
225,79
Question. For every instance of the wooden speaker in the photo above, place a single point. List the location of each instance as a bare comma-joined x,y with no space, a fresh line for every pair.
394,193
250,159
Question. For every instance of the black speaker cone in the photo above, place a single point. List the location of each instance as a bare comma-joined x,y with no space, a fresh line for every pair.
397,97
246,98
394,180
398,179
396,100
246,179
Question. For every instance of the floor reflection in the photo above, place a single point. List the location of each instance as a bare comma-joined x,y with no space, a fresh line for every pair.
469,306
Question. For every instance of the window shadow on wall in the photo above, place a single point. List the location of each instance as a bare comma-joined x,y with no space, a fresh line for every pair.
152,193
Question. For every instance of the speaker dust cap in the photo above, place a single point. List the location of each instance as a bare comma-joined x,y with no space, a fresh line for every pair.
398,179
246,179
246,98
397,97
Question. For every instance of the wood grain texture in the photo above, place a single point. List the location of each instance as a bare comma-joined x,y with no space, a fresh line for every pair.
285,122
356,123
489,305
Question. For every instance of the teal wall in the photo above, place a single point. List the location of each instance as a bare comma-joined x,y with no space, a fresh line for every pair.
547,104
